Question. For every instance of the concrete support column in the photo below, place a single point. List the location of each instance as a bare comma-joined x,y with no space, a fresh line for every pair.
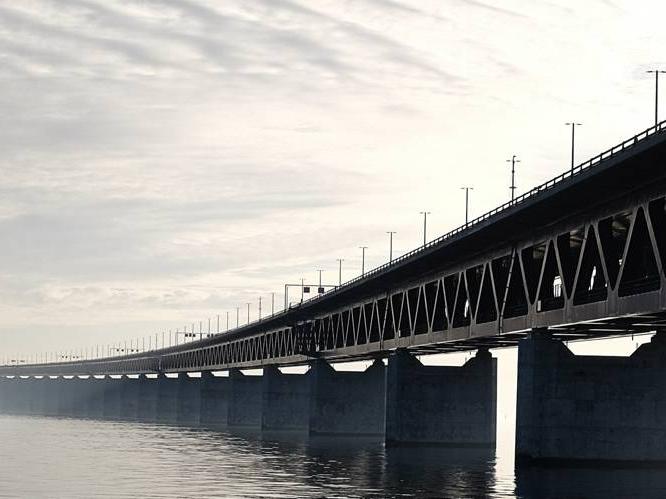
79,395
95,402
10,393
189,399
129,398
148,396
245,400
66,398
112,388
349,403
5,395
590,408
214,399
441,405
40,404
51,396
167,399
285,400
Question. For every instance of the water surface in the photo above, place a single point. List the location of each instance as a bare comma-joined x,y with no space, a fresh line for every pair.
72,458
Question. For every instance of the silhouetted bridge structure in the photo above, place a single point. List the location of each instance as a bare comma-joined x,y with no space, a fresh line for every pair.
580,256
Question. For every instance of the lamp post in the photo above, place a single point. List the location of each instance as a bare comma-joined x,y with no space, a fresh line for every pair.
467,189
656,93
390,233
362,248
340,260
248,313
425,221
513,162
573,126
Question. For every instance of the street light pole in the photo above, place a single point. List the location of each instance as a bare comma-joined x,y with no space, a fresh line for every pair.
573,125
656,93
390,233
248,313
319,288
513,162
425,221
467,189
363,248
260,308
340,260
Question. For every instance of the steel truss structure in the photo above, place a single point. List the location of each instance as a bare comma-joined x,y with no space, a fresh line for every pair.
584,257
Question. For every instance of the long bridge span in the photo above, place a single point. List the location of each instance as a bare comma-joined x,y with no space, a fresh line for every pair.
580,256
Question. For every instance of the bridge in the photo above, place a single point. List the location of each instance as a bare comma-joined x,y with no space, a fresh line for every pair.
577,257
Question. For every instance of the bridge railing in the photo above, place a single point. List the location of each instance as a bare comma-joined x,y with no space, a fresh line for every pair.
573,172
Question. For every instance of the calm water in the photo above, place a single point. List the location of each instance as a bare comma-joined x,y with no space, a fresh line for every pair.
68,458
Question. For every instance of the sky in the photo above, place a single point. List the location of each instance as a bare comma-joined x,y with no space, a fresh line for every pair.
164,162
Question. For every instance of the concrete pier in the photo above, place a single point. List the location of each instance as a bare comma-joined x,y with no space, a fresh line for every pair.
590,408
148,396
112,388
441,405
245,400
214,399
167,399
285,401
129,405
96,397
189,399
350,403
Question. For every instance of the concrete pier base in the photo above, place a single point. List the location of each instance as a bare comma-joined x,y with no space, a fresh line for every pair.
441,405
167,399
67,397
148,396
129,405
51,396
350,403
245,399
112,388
590,408
96,397
189,399
285,401
214,399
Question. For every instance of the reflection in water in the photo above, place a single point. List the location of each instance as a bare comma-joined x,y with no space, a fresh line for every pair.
590,483
69,458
